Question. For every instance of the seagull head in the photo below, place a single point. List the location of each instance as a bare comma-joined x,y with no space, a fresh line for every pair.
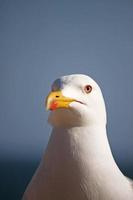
75,100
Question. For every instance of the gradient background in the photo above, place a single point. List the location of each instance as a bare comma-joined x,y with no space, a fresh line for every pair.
42,40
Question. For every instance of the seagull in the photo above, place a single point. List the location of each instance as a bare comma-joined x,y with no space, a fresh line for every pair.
78,163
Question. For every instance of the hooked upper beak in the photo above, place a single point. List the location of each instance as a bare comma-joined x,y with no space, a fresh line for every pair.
56,100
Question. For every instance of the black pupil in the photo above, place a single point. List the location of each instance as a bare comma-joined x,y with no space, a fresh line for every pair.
88,87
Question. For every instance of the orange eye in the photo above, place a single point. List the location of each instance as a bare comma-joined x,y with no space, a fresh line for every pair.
88,88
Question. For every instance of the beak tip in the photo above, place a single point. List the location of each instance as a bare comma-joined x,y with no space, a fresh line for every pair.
46,107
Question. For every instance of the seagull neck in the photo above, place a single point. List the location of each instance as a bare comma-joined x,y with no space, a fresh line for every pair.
92,140
83,154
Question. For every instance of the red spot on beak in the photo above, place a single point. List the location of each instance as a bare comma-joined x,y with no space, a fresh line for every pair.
53,105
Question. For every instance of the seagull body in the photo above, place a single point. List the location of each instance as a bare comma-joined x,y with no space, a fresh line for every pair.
78,163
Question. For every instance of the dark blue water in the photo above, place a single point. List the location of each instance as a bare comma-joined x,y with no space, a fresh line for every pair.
15,175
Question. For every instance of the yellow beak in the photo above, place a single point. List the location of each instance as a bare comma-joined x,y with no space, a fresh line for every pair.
56,100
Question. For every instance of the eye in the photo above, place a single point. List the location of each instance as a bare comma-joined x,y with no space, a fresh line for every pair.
88,88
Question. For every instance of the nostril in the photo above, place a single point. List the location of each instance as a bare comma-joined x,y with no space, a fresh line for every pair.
57,96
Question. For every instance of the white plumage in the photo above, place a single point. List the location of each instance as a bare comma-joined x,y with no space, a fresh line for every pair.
78,163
